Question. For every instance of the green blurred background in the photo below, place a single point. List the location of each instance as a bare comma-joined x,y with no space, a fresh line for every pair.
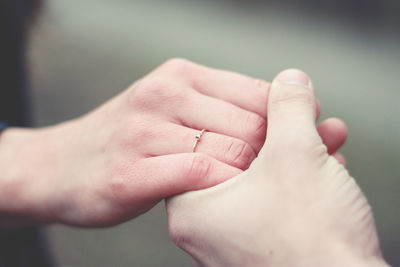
85,52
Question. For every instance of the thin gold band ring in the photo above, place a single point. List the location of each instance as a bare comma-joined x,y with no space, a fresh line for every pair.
198,136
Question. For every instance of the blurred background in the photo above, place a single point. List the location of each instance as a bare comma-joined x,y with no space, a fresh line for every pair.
84,52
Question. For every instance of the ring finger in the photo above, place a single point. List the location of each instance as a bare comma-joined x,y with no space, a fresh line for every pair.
200,111
229,150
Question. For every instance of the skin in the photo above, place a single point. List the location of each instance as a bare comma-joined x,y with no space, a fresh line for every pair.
121,159
295,206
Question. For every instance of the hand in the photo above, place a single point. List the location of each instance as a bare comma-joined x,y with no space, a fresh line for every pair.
121,159
295,206
118,161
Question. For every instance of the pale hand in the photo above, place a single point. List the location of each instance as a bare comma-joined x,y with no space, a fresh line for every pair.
295,206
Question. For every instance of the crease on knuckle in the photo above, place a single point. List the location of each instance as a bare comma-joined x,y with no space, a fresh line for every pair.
198,168
238,153
257,124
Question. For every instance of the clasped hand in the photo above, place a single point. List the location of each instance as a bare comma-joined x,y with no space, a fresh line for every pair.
295,206
121,159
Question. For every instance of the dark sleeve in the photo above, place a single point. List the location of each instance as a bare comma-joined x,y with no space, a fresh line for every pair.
22,247
14,21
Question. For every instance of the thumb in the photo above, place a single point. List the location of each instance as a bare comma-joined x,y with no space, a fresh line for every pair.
292,104
292,108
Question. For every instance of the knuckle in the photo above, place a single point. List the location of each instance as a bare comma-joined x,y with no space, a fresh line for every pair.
197,168
150,93
118,186
184,69
257,124
151,87
176,61
239,153
178,65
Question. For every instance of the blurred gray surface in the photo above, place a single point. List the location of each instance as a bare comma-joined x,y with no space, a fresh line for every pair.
84,52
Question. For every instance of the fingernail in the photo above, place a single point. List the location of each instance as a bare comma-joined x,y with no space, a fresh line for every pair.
294,77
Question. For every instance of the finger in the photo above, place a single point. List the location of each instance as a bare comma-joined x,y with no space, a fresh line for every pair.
215,115
240,90
318,110
340,158
155,178
291,106
224,148
333,132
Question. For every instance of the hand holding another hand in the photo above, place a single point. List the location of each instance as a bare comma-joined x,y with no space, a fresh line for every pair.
121,159
295,206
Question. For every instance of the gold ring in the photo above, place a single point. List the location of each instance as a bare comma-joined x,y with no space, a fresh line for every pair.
198,136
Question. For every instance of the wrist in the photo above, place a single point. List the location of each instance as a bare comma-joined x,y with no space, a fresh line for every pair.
28,160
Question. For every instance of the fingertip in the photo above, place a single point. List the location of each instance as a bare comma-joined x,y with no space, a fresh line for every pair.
333,132
338,123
